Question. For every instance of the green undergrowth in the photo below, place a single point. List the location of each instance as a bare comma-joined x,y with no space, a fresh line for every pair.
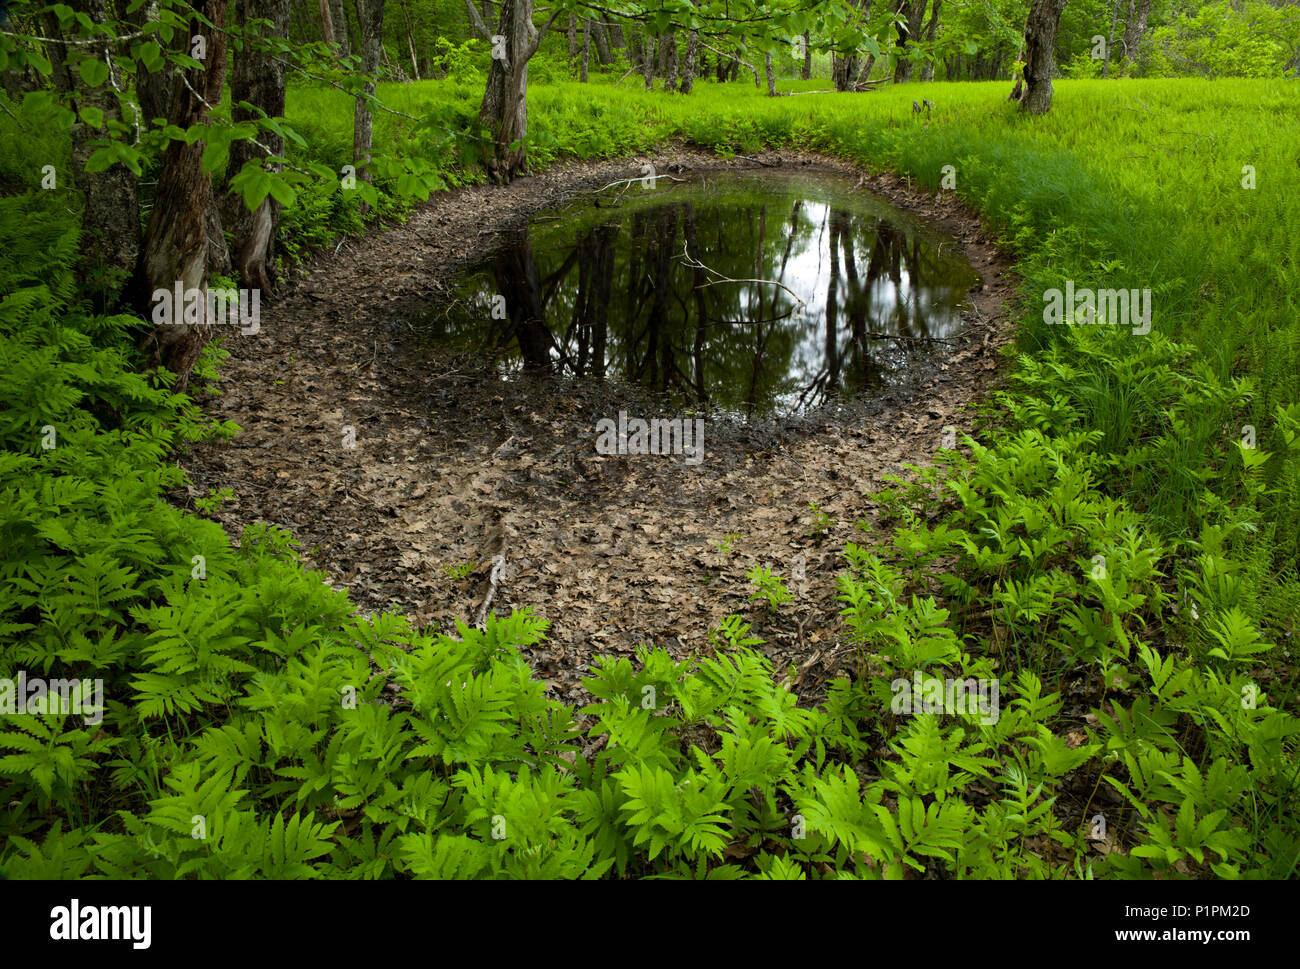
1113,546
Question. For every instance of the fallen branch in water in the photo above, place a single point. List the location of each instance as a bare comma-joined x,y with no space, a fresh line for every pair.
639,178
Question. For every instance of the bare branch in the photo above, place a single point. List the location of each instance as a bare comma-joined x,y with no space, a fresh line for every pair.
476,20
537,38
736,56
75,43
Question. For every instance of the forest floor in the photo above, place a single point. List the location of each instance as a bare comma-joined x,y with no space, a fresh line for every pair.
454,465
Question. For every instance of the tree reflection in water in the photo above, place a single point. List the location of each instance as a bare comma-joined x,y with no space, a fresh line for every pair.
676,290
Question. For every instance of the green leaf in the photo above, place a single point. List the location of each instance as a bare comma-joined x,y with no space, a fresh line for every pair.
113,153
149,54
93,71
281,192
40,62
254,189
216,155
92,116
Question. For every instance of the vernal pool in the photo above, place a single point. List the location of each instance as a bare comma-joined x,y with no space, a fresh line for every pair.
757,293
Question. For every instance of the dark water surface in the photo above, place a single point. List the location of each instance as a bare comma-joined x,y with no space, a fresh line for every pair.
675,287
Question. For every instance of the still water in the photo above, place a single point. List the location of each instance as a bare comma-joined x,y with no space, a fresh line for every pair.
757,293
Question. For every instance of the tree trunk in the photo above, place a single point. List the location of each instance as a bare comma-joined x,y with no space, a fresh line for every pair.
1110,40
176,242
771,75
326,23
586,50
931,28
370,19
604,282
601,38
670,62
504,110
1134,27
688,68
915,12
213,90
833,308
410,40
257,77
573,40
844,70
154,88
1017,92
648,61
339,25
110,223
346,32
516,277
806,71
1040,60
